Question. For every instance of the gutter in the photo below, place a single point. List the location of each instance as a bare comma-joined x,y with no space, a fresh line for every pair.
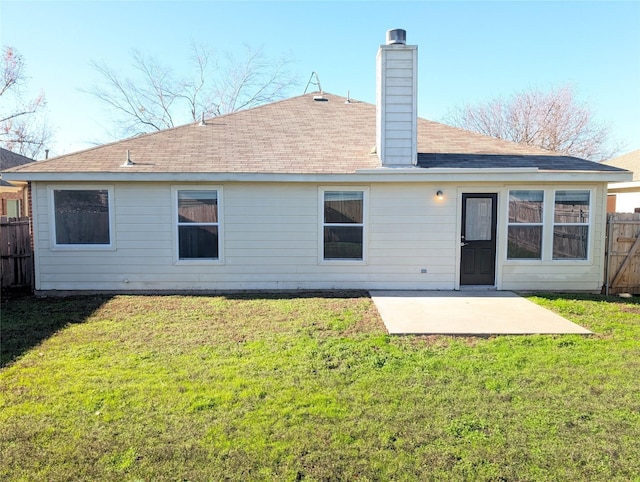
366,175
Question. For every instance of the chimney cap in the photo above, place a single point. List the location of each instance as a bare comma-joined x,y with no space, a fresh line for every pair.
396,36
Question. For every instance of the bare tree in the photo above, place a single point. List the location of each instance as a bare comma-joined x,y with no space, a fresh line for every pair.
23,125
553,120
154,97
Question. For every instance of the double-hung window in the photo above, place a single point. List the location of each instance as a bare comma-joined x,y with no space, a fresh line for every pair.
571,224
343,225
198,224
82,218
525,228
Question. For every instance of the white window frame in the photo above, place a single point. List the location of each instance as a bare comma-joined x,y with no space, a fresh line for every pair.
588,224
53,244
365,223
541,224
175,221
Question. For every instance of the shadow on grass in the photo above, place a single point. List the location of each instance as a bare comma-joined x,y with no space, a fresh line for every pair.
27,321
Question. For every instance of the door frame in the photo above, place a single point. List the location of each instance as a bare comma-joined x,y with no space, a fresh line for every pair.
500,196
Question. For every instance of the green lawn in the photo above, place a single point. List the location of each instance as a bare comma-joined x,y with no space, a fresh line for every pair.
310,388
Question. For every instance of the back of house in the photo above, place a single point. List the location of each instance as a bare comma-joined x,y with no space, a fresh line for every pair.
320,192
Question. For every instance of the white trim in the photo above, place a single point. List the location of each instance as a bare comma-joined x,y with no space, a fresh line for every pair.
541,224
588,224
500,230
625,185
547,228
53,244
382,174
365,225
35,235
174,221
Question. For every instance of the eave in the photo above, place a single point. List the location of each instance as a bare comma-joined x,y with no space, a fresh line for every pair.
622,187
415,174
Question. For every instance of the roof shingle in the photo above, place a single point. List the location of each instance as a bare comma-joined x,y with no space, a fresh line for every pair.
293,136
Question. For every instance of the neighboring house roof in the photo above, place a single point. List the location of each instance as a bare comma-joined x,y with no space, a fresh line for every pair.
9,159
629,161
299,135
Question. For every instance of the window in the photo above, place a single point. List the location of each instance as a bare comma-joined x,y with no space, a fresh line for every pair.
525,224
571,225
343,225
82,217
13,208
198,225
478,225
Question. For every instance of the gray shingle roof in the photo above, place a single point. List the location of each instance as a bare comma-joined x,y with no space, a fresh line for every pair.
9,159
541,162
297,136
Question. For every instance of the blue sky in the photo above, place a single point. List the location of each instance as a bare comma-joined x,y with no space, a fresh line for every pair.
468,51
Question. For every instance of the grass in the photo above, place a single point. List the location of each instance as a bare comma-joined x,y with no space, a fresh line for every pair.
310,388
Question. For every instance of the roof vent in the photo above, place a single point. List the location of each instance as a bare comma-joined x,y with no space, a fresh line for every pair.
128,162
396,36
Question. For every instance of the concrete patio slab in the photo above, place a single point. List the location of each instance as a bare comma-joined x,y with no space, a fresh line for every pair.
467,313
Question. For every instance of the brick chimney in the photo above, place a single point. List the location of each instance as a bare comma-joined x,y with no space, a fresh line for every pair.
396,101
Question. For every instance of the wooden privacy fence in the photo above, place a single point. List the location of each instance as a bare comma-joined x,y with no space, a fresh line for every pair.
16,253
622,268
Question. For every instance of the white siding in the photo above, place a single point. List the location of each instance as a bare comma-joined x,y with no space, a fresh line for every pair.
397,112
272,238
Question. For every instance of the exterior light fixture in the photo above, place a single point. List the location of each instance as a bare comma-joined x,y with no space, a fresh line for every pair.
440,195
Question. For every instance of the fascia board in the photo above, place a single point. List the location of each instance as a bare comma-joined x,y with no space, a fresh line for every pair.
371,175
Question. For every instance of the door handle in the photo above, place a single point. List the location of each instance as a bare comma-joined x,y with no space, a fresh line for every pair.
463,244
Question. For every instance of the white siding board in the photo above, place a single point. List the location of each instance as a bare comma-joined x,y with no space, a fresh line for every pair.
402,54
272,235
144,234
309,252
260,260
260,229
145,244
273,245
402,92
253,218
401,81
398,108
392,117
415,239
151,211
142,226
397,156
